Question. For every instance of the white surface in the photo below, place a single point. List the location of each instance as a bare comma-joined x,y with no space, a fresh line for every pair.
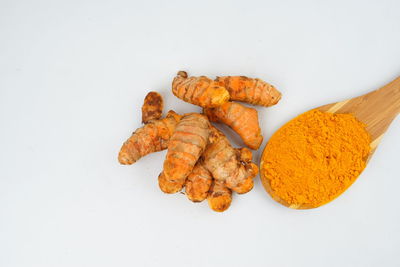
73,75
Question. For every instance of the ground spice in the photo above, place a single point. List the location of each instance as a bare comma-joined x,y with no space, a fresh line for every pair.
315,157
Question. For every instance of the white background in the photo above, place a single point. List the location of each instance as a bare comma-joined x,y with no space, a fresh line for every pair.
73,75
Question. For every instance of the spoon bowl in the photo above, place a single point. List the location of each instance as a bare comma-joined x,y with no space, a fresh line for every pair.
376,110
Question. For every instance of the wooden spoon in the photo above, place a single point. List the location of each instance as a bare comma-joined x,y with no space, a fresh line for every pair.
376,109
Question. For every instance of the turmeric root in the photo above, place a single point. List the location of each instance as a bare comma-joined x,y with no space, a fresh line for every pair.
243,120
198,183
169,187
253,91
152,137
186,145
152,107
228,165
200,91
219,197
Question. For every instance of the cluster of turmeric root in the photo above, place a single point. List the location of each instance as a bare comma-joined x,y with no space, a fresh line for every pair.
200,158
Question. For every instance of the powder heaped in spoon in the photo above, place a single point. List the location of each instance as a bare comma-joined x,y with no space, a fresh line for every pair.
315,157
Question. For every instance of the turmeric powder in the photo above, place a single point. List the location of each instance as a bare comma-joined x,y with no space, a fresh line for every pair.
314,158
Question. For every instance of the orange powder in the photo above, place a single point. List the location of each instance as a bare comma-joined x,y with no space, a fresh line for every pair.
315,157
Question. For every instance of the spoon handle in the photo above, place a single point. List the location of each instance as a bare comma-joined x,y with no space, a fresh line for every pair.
378,108
391,93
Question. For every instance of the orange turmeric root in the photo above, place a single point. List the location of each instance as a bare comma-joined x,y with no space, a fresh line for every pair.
185,147
198,183
229,165
200,91
166,186
152,137
253,91
243,120
152,107
219,197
